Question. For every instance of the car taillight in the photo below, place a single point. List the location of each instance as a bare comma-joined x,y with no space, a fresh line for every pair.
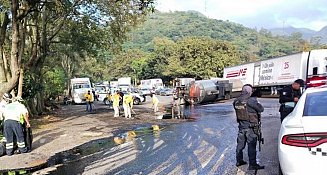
316,81
305,140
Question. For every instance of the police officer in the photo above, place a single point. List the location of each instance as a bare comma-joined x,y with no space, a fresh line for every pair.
12,127
247,110
289,96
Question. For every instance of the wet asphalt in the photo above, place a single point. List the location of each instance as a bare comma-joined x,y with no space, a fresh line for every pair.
204,145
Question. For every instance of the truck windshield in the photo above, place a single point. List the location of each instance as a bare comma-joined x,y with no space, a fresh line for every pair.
315,104
80,86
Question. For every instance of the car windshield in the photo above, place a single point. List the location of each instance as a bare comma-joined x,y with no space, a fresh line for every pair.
80,86
315,104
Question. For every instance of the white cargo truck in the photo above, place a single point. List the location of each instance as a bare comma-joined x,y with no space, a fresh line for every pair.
274,73
125,83
79,87
152,84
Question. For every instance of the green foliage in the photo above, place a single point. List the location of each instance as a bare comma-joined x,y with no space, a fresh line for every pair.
31,85
197,57
54,82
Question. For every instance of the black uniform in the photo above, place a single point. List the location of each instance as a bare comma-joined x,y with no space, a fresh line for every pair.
247,118
287,94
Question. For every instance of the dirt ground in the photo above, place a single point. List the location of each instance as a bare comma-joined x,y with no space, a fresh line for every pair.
71,126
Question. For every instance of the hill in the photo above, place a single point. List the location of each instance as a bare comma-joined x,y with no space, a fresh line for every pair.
307,34
252,44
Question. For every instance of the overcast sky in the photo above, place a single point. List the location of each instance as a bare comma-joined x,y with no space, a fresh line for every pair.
310,14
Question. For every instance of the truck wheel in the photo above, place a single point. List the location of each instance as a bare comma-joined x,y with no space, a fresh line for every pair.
29,139
227,96
136,101
2,149
106,101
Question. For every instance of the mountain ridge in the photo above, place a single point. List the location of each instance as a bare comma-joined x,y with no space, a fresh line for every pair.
307,34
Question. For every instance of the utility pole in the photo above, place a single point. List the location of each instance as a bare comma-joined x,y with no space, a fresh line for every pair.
205,8
284,27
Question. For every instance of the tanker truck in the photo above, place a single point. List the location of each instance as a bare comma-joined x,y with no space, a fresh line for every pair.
204,91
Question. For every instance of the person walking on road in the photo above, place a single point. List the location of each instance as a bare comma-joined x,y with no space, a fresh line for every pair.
288,98
128,105
89,100
14,113
155,102
247,110
115,103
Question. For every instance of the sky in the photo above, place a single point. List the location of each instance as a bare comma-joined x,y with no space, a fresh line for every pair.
268,14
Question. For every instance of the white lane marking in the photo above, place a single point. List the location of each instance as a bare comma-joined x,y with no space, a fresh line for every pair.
177,170
164,165
110,163
218,162
158,144
206,155
185,135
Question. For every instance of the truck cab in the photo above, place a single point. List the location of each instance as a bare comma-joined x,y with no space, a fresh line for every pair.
79,87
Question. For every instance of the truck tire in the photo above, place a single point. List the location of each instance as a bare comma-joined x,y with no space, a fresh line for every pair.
136,101
28,138
227,96
106,101
2,149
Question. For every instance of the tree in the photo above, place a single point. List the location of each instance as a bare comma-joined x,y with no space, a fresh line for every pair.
31,31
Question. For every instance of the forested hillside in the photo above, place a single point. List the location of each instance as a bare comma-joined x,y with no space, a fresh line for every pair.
251,44
188,44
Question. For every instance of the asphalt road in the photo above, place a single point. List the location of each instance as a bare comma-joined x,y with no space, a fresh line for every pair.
205,145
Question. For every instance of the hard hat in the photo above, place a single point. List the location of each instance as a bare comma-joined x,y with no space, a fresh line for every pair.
119,140
155,127
7,97
19,99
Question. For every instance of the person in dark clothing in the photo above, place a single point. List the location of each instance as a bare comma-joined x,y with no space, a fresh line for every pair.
288,98
247,109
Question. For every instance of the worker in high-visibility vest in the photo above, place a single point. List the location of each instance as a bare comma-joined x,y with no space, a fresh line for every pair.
15,113
155,102
89,100
115,103
128,105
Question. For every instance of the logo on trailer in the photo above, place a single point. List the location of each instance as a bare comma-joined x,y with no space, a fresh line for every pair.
241,72
286,65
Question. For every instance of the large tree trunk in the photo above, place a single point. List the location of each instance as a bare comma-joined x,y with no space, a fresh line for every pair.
3,77
31,106
20,83
14,67
3,31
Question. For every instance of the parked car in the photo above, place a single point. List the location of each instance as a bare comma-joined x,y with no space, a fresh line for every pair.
166,92
157,91
101,92
302,143
145,91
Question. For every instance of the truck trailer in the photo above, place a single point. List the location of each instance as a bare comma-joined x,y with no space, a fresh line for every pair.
152,84
125,83
275,73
